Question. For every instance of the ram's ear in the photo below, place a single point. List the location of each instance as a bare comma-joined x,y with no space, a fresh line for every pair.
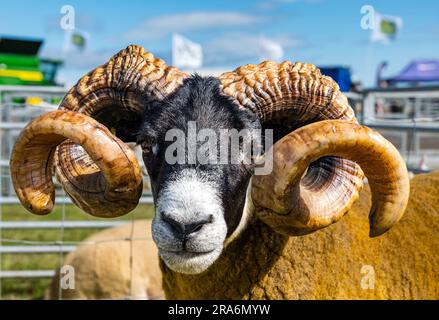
249,119
147,134
251,138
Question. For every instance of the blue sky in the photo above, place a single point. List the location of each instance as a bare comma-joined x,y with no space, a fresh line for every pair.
323,32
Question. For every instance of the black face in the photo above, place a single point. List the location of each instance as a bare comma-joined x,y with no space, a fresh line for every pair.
200,101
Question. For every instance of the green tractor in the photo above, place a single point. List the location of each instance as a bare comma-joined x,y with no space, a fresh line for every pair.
21,65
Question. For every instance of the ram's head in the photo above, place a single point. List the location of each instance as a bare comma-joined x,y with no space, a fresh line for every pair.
203,199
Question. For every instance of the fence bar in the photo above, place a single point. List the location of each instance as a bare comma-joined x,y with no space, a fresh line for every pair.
36,249
27,274
13,125
37,89
57,224
65,200
403,125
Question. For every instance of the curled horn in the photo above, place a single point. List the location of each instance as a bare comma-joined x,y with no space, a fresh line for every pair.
103,179
315,179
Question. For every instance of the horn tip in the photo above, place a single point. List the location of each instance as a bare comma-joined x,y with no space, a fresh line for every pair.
40,210
376,232
377,229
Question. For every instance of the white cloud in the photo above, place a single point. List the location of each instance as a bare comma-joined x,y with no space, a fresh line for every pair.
76,64
88,59
236,48
192,21
270,4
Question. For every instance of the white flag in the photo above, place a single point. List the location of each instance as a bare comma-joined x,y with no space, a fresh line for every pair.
270,50
186,53
386,28
75,40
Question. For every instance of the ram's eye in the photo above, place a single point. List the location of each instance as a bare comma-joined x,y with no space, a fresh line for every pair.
146,145
149,148
146,148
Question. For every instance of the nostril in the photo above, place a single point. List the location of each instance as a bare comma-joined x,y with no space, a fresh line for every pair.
184,229
177,226
195,227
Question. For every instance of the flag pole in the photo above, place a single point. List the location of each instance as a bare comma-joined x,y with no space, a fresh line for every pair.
173,49
66,44
370,60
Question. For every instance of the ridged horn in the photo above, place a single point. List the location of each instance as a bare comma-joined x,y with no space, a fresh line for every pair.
117,179
116,94
286,97
293,205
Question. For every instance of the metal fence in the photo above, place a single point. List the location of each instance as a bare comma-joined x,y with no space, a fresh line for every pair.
409,118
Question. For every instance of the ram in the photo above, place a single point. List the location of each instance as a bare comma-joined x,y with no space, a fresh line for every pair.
116,263
223,229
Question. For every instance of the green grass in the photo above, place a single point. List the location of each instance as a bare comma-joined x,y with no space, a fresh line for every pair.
24,289
13,212
34,288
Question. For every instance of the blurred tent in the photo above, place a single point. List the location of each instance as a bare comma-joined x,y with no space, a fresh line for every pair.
418,71
341,75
